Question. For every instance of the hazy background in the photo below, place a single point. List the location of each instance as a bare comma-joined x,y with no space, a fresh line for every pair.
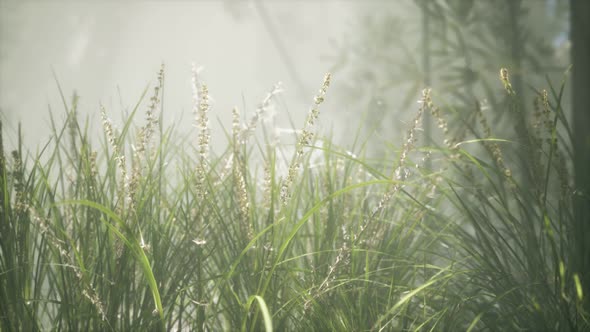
110,51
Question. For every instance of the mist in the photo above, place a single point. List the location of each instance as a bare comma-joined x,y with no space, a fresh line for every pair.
294,165
109,52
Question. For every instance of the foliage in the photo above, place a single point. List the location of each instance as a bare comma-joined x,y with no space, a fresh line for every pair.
456,46
149,233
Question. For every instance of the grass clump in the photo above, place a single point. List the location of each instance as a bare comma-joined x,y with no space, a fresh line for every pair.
146,233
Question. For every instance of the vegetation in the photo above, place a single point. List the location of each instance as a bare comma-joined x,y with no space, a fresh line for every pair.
147,233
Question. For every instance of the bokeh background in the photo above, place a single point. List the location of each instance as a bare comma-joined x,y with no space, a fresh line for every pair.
381,53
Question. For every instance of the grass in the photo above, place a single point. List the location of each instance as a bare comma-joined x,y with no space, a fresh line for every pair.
145,233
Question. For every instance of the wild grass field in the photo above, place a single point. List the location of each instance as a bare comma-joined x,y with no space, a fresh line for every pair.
149,230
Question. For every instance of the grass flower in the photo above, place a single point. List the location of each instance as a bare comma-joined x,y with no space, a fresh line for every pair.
92,241
305,139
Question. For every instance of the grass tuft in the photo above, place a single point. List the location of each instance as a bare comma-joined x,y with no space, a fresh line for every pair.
141,233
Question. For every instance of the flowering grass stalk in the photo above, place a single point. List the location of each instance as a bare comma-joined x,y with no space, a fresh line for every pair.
342,243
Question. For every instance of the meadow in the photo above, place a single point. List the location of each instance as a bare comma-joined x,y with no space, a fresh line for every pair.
151,231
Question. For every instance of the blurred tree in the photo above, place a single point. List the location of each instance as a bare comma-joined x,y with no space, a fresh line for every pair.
580,54
455,46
